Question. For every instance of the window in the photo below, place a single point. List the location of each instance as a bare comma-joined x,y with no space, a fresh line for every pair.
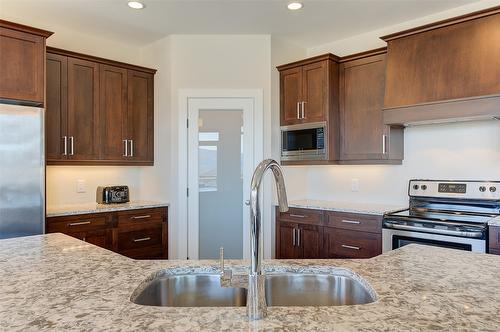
207,161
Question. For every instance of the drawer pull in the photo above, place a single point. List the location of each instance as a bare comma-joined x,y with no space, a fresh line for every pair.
80,223
350,247
297,215
141,217
142,239
351,222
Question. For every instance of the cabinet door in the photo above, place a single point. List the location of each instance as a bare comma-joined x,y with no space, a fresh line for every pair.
140,116
286,246
83,109
363,134
315,91
22,66
56,107
310,241
99,238
113,112
290,95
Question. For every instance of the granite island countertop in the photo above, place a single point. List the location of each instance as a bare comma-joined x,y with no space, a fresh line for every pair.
57,282
350,207
84,208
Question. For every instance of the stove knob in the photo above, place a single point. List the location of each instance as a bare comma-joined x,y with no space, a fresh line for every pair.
424,187
493,189
416,186
482,189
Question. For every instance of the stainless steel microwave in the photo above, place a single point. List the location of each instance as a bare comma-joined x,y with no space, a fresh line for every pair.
304,141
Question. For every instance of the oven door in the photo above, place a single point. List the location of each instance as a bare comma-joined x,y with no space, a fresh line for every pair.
393,239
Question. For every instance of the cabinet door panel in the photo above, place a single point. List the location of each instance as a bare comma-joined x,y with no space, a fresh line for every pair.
140,116
315,91
56,107
291,95
22,61
83,107
310,241
113,112
361,103
287,237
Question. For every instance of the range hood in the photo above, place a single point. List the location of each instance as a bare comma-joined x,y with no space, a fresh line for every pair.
457,110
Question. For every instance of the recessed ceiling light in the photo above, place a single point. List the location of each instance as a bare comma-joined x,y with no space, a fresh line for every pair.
295,5
135,4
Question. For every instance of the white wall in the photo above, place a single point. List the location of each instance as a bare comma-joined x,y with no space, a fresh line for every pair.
198,62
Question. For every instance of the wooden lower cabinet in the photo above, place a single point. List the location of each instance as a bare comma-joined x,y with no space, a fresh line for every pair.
315,234
138,234
340,243
494,240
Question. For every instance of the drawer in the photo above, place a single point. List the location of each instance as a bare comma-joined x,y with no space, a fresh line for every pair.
75,224
352,244
354,221
494,251
153,252
133,218
137,239
308,216
494,237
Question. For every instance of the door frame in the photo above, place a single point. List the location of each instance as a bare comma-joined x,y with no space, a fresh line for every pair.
185,96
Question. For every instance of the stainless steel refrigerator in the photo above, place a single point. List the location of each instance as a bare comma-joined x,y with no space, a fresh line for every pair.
22,171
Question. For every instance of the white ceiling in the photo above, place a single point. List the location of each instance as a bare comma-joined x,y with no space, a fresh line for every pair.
320,21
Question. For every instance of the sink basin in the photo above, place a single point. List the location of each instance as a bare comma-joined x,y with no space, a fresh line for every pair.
282,289
315,290
192,290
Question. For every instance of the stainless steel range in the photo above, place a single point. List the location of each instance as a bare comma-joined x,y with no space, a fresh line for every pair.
450,214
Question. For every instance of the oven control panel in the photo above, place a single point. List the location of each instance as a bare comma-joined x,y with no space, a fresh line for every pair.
457,189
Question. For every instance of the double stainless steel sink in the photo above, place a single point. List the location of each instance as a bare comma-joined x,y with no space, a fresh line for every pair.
282,289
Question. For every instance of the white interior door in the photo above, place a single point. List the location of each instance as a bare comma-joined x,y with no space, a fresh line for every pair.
220,164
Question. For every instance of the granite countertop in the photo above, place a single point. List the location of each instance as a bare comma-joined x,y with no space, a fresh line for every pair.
364,208
83,208
57,282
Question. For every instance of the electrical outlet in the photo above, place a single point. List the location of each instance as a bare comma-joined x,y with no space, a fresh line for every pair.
354,185
81,186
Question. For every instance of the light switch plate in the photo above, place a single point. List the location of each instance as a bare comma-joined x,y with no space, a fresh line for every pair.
81,186
354,185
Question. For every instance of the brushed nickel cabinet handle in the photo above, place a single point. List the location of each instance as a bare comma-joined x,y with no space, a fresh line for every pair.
298,110
65,138
298,237
297,215
80,223
384,144
351,222
304,109
350,247
72,145
142,239
141,217
293,237
125,148
131,147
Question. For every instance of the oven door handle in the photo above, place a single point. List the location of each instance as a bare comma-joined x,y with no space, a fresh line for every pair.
394,225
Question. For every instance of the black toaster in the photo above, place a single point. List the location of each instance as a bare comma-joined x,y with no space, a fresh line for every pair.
112,194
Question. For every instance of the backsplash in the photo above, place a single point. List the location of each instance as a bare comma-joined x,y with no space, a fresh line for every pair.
62,182
457,151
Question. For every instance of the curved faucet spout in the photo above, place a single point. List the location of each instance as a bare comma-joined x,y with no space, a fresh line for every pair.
256,302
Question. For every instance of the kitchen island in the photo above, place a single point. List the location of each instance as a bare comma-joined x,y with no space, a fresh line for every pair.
57,282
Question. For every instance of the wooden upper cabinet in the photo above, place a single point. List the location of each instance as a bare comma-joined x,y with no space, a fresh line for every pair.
83,109
315,92
364,137
113,113
308,89
445,70
57,104
99,112
140,116
291,95
22,63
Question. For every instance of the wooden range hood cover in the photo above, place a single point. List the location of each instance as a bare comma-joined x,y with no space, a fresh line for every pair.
425,60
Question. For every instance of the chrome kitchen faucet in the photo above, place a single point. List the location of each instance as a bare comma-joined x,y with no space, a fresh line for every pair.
256,300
